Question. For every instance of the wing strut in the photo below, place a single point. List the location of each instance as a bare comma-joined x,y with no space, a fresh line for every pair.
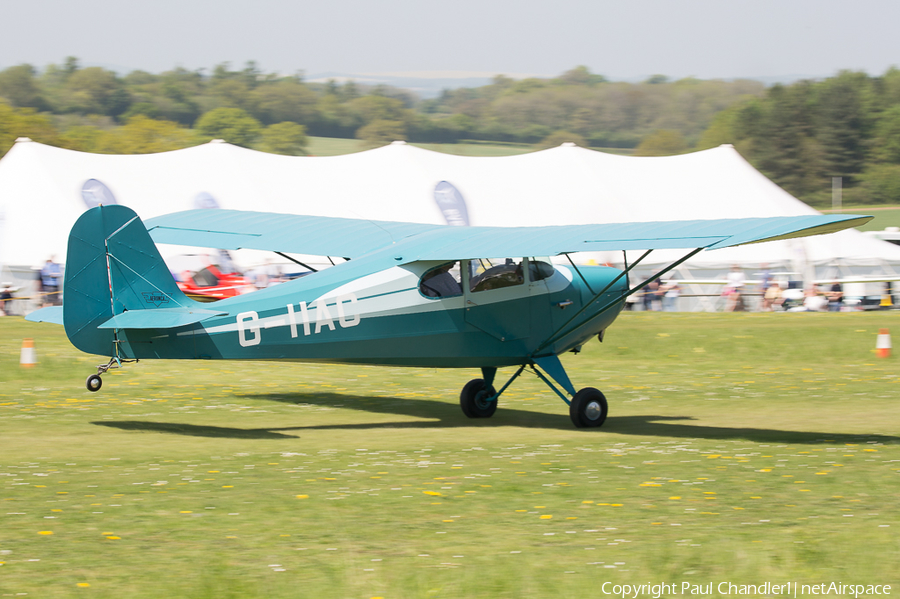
565,329
555,334
656,275
583,280
297,262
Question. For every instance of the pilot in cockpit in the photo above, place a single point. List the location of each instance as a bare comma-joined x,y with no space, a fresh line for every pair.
440,283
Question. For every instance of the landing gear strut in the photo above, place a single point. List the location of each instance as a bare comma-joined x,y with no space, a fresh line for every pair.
94,382
587,408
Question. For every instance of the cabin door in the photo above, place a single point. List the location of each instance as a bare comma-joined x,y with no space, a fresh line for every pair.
501,299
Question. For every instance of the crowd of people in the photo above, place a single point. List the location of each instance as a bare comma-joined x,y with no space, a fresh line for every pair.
661,296
828,298
767,295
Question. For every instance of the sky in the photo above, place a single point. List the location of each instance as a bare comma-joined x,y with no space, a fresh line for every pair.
622,39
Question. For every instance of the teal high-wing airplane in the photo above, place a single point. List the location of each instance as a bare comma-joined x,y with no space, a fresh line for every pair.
405,294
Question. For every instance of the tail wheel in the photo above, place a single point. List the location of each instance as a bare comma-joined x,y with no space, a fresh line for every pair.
588,408
93,383
477,399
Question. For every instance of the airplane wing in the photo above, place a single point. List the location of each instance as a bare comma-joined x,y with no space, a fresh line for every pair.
352,238
493,242
289,233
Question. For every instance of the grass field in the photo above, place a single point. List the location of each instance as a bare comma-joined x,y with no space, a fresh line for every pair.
884,216
882,219
740,447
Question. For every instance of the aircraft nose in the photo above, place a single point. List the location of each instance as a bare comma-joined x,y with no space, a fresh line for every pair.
599,277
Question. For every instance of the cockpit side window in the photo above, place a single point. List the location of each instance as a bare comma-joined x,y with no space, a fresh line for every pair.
539,269
442,281
496,274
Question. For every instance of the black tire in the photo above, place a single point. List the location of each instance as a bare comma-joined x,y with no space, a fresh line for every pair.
588,408
93,383
474,399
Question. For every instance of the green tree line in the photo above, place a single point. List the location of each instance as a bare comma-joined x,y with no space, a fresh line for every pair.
800,135
588,108
85,108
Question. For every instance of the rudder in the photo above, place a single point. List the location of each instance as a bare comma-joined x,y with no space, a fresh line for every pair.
112,266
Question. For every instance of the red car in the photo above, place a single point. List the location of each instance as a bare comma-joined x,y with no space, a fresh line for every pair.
210,284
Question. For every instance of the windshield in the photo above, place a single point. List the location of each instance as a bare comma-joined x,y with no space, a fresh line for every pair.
496,274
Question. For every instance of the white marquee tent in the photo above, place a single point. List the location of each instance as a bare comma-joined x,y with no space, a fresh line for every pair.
40,194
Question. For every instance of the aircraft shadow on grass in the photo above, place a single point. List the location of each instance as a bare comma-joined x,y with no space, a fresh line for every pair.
195,430
438,414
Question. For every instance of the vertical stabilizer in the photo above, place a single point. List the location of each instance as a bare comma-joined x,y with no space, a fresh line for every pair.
112,266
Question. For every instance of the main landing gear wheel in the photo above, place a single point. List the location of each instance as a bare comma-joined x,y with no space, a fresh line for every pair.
475,399
93,383
588,408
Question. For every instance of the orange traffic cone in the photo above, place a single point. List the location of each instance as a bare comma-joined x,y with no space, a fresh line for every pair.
28,357
883,344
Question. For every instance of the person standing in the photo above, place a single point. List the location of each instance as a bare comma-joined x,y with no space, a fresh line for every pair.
733,289
835,297
51,274
773,298
652,295
766,277
670,296
6,297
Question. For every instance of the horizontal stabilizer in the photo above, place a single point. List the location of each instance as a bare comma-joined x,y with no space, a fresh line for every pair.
160,318
52,314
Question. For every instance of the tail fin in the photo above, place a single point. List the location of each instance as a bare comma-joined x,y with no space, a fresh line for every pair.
113,266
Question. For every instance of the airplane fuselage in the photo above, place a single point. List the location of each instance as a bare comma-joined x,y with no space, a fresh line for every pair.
384,317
